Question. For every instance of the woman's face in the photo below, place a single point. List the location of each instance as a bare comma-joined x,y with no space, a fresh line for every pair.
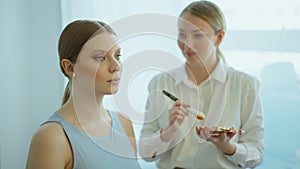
196,39
97,69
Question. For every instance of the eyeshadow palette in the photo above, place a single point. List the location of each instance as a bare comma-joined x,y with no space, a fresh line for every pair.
227,130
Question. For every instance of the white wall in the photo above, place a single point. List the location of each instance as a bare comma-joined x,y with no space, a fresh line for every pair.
31,82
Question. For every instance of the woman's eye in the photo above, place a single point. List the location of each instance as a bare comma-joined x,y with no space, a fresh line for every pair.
100,58
198,35
181,36
118,57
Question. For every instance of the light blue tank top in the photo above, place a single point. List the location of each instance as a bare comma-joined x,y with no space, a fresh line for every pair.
112,151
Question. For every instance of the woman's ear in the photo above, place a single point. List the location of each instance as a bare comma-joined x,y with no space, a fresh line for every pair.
220,37
68,67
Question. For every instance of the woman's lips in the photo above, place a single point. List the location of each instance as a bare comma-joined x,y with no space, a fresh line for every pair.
114,81
190,54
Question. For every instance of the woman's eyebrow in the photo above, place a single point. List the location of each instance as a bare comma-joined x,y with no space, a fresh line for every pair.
198,30
97,51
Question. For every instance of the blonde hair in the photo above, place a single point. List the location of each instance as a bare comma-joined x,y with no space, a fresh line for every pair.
72,39
210,13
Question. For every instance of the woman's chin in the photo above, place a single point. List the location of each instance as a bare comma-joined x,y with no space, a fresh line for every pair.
112,91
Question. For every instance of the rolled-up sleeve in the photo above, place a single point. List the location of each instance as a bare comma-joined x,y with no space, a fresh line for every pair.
250,147
150,144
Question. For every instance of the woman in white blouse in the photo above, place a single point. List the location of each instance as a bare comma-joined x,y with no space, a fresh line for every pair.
171,135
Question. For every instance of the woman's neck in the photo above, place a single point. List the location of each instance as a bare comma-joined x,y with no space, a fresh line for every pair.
84,108
199,72
93,121
85,111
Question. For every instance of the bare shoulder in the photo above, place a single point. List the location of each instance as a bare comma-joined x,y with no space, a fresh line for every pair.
127,125
49,134
49,148
128,128
124,119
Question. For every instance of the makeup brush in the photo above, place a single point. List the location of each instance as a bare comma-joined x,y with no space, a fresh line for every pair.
199,115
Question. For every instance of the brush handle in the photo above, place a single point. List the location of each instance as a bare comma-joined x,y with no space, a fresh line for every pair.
195,112
170,95
192,110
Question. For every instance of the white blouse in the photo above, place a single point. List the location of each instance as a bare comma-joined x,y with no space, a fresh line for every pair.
228,98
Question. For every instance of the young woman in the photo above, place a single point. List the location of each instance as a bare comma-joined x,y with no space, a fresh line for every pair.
82,133
229,98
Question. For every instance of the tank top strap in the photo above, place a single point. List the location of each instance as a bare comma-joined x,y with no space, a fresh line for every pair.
116,123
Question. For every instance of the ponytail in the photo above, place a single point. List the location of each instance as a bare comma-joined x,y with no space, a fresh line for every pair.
220,55
66,93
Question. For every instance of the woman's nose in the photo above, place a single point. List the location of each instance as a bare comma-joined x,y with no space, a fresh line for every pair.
115,65
188,43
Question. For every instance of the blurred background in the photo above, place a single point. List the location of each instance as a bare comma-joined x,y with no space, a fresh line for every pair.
263,40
